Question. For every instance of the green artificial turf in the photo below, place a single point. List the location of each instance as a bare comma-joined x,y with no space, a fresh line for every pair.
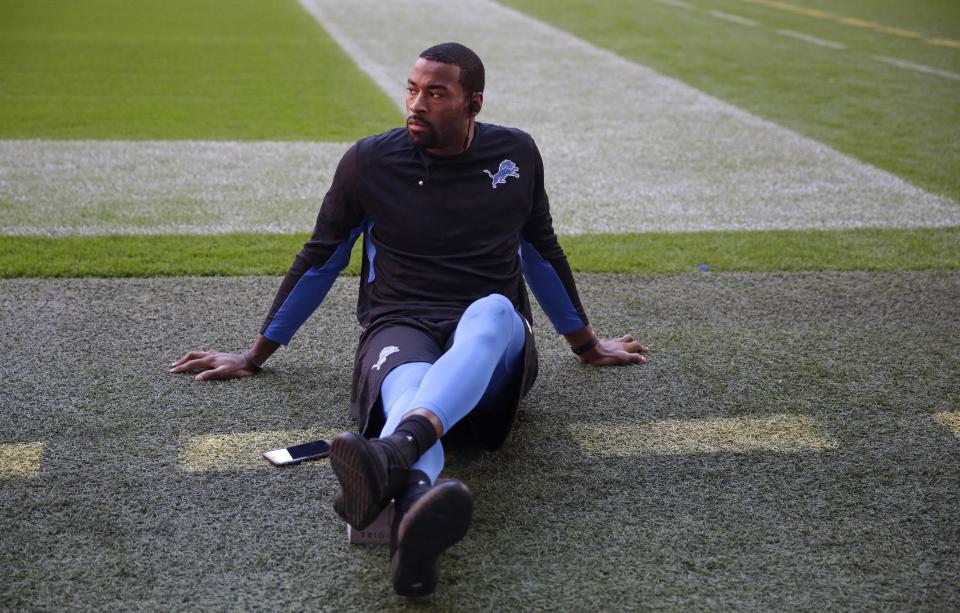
271,254
902,121
179,69
106,517
112,521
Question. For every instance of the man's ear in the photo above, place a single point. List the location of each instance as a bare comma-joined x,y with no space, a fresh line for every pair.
476,103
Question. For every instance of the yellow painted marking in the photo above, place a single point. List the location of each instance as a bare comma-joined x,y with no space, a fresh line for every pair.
950,420
20,460
944,42
776,433
854,22
239,450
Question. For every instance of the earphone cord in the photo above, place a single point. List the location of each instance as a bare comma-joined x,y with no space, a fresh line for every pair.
426,166
469,137
467,140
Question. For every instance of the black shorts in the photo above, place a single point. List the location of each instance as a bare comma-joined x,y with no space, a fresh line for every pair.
388,343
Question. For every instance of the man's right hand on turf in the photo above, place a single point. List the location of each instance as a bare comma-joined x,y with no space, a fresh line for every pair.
221,365
215,365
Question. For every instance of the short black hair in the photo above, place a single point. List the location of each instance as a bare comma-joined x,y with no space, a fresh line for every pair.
471,68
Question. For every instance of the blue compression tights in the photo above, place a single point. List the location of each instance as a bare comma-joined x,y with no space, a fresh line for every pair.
487,352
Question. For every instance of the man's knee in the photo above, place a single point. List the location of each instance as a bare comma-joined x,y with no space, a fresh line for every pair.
494,306
488,320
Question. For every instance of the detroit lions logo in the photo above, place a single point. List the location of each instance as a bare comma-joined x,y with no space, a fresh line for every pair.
507,169
385,353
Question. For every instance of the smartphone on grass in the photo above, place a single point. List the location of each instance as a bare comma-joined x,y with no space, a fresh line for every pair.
314,450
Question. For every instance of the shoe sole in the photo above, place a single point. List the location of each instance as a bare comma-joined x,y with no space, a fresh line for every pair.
362,481
432,525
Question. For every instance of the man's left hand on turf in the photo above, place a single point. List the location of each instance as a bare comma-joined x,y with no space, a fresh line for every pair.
616,351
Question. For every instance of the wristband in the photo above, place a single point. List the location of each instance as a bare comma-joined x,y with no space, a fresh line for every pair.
256,368
587,346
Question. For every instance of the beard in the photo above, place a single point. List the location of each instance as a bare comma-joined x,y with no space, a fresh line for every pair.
425,139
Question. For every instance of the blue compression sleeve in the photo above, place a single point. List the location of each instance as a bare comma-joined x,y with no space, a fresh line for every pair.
396,393
487,351
309,292
487,335
549,290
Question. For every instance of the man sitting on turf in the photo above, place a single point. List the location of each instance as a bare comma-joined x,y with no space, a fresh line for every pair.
454,216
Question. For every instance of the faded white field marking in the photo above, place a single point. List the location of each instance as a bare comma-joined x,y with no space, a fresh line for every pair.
811,39
627,149
946,74
734,18
20,460
775,434
949,420
242,450
128,187
680,4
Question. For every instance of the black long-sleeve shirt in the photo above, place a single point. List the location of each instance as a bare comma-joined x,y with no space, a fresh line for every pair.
439,233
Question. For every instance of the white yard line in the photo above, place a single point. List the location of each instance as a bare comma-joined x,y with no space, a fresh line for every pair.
734,18
775,434
946,74
680,4
138,187
811,39
626,149
384,81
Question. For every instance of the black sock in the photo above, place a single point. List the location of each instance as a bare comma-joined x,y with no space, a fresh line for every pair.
417,484
413,436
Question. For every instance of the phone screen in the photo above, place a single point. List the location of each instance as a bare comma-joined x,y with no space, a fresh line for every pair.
309,451
294,454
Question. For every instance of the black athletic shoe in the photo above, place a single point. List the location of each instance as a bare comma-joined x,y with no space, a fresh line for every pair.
371,472
437,519
402,502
